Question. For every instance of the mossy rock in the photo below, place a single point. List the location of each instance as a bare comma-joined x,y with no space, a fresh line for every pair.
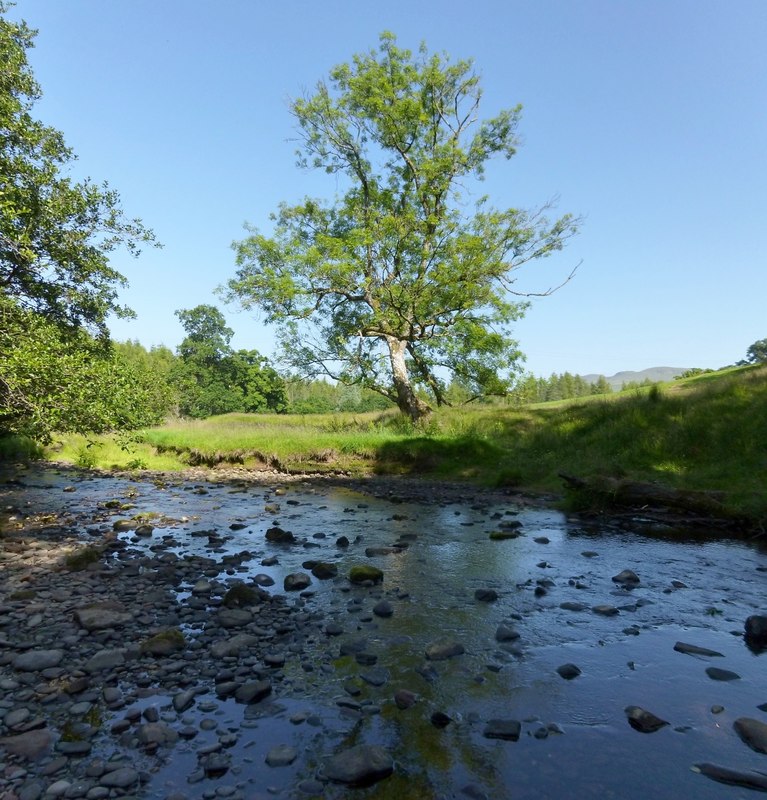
241,595
324,570
364,573
164,643
82,558
498,536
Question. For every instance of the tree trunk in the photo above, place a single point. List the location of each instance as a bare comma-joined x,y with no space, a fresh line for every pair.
407,401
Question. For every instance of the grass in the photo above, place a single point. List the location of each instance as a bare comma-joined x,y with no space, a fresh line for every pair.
707,433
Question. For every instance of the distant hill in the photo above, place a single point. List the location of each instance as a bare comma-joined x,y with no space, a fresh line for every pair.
654,374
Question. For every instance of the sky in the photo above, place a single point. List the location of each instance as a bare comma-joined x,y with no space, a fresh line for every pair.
646,117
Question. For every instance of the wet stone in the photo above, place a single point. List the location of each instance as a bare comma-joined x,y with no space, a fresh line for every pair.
507,729
717,674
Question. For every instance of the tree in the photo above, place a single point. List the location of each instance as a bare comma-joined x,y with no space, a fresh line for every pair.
757,353
58,370
211,378
56,234
398,282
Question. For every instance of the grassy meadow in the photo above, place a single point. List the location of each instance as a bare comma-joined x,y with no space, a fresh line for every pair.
707,433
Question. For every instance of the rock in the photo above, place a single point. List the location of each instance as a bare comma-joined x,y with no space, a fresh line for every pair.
499,536
324,570
628,579
296,582
444,649
30,745
486,595
717,674
281,756
233,646
253,691
241,595
165,643
752,732
279,536
383,608
99,616
568,671
694,650
36,660
234,617
756,631
405,699
643,721
572,606
605,610
750,780
440,720
507,729
505,633
183,700
120,778
364,573
106,659
122,525
156,733
362,765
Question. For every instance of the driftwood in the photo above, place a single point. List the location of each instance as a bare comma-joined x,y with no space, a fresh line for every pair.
613,492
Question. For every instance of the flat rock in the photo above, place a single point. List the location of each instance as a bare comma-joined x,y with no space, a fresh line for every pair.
30,745
253,691
694,650
752,732
120,778
642,720
234,617
732,777
234,645
362,765
717,674
106,659
605,610
442,650
507,729
35,660
99,616
281,756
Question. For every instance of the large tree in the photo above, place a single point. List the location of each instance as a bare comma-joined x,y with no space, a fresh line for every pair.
398,284
57,285
56,234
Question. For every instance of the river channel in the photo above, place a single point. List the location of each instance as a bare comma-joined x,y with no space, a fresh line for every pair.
337,664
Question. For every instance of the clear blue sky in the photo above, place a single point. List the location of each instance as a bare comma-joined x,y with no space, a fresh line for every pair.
647,117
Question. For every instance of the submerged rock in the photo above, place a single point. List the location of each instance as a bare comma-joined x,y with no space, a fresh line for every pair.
694,650
568,671
362,765
364,573
756,631
643,721
628,579
444,649
752,732
508,729
717,674
749,780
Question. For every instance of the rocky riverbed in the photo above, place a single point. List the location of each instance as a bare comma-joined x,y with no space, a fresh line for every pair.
168,638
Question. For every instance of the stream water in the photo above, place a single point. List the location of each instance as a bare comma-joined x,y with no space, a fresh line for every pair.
575,740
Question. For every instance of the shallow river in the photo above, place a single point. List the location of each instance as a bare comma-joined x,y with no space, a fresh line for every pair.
575,740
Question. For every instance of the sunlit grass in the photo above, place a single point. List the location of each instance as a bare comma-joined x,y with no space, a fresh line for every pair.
708,432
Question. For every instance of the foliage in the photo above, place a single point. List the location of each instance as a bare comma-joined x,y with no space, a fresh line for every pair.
398,282
56,235
210,378
557,387
65,380
757,352
321,397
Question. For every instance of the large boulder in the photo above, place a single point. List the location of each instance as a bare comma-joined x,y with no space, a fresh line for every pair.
756,631
100,616
362,765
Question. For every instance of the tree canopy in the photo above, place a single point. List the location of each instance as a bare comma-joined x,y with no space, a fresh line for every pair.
56,234
399,283
58,370
757,352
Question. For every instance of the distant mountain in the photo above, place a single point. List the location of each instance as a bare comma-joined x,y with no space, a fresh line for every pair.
654,374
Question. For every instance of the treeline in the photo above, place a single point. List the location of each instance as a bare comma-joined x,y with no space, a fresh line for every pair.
557,387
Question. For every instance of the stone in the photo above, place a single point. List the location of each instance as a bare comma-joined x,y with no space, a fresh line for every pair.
568,671
362,765
404,699
628,579
281,756
605,610
104,660
694,650
156,733
573,606
505,633
120,778
30,745
253,691
364,573
296,582
643,721
279,536
717,674
324,571
234,645
507,729
486,595
36,660
99,616
752,732
234,617
749,780
383,608
756,631
444,649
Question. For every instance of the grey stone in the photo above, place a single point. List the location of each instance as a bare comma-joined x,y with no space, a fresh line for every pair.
643,721
442,650
508,729
35,660
752,732
281,756
694,650
359,766
106,659
717,674
568,671
99,616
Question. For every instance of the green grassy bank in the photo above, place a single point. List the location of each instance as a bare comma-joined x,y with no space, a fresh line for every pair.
705,433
